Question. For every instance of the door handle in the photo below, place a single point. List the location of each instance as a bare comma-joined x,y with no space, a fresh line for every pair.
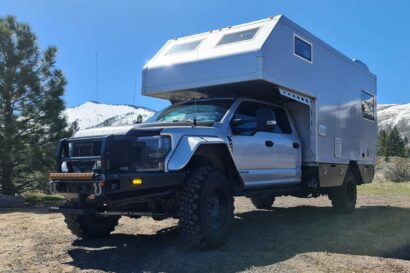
269,143
295,145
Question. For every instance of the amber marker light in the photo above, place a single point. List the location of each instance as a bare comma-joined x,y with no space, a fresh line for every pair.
137,181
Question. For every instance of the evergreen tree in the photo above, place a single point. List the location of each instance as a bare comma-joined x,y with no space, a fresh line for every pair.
406,148
31,90
74,126
381,143
139,118
395,145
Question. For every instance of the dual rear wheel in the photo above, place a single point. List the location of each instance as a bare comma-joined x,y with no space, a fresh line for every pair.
344,197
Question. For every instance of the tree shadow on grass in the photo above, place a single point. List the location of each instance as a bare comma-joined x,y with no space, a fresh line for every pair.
259,238
28,208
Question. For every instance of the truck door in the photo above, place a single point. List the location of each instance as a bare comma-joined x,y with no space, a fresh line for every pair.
263,146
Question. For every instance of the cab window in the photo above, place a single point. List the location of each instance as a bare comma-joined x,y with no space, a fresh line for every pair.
246,113
246,119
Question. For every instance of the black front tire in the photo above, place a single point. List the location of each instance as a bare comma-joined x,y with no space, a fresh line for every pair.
205,208
90,226
344,198
263,201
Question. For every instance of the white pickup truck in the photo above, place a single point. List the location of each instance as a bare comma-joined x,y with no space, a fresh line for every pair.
263,109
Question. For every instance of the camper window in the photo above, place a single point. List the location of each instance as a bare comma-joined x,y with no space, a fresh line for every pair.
183,47
238,36
302,49
367,106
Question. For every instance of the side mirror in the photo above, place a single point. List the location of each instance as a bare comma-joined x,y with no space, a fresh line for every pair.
236,122
266,119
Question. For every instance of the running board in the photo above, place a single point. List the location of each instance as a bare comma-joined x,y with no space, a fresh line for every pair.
274,191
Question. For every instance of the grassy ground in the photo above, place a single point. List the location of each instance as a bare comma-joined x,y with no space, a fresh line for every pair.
386,188
40,198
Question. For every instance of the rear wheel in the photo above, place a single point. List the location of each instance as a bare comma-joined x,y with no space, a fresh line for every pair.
206,208
344,198
263,201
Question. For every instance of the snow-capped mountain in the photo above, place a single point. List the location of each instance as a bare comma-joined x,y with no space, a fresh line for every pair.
398,115
92,114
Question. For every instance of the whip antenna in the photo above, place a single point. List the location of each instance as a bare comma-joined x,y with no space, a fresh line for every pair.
96,83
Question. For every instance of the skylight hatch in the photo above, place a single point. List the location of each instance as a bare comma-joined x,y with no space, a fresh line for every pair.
183,47
238,36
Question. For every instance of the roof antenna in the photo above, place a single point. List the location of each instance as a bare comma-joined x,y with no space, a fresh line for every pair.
96,83
135,89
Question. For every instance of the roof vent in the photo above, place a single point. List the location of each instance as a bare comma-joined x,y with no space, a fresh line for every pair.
361,64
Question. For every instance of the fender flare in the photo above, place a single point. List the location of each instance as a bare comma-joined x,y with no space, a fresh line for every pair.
187,147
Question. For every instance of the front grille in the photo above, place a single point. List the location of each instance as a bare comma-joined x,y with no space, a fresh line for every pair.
126,154
83,166
79,149
114,154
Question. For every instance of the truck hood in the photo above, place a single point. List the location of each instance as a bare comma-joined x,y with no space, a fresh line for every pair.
143,129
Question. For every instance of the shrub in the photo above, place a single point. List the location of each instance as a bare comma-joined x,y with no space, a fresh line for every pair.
398,170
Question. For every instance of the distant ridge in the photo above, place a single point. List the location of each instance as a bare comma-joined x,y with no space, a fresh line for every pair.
93,114
389,115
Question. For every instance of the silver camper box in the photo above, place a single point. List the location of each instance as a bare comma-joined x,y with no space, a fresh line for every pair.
331,98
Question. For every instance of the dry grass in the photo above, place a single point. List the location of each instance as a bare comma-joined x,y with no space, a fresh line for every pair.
40,198
298,235
390,188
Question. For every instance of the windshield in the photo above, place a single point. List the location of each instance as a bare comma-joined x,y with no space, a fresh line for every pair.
201,110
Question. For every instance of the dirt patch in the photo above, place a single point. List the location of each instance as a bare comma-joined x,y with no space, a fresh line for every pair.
298,235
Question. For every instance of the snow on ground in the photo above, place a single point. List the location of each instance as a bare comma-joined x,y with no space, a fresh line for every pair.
92,114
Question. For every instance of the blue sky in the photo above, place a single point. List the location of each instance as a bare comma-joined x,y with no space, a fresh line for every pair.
125,34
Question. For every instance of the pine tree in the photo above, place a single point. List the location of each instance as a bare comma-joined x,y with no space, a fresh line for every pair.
381,143
74,126
139,118
395,145
406,148
31,90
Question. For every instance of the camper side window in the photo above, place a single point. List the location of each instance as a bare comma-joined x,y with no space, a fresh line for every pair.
302,49
367,106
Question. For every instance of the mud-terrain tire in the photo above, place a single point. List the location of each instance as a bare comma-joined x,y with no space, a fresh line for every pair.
263,201
205,209
91,226
344,198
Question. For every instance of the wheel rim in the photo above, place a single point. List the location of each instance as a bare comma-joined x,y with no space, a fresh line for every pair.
217,209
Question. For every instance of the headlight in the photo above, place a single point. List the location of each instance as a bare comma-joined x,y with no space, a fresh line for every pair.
156,149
